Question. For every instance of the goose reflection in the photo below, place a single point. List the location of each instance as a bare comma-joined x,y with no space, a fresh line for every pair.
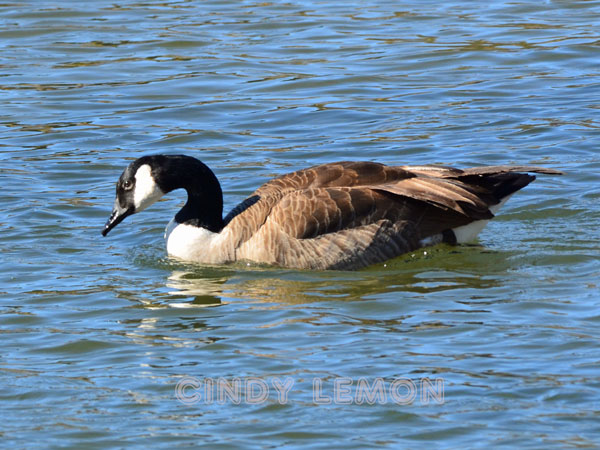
443,268
195,289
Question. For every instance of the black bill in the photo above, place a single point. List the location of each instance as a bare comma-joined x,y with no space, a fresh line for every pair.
116,217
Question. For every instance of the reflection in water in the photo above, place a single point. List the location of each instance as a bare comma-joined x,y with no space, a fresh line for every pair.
205,291
97,333
176,331
436,269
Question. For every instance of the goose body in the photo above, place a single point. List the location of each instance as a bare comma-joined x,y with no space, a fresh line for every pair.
343,215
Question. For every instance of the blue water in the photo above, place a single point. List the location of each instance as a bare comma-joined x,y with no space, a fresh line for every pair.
106,342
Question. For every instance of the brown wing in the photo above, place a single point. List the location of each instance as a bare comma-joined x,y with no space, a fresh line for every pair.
345,227
348,215
333,227
257,208
344,173
452,172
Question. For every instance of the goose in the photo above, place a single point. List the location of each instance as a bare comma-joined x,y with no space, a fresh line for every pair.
343,215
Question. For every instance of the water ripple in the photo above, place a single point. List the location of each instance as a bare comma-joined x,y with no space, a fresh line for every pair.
97,333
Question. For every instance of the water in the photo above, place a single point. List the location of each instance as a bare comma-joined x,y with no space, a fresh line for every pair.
98,332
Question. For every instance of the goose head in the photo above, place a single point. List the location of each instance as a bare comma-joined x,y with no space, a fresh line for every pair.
150,177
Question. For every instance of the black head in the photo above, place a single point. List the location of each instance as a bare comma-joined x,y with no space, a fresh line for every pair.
148,178
138,187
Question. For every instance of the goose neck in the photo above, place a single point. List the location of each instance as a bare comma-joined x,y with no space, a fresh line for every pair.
204,206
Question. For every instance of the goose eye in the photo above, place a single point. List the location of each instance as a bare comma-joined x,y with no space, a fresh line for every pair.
127,184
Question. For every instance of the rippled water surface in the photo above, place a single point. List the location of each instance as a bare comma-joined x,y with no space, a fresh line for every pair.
106,342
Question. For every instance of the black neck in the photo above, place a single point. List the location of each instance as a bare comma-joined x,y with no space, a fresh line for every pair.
204,206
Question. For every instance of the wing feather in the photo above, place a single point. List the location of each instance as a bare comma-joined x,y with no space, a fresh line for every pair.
351,214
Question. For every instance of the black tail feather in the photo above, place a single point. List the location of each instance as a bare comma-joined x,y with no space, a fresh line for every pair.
501,185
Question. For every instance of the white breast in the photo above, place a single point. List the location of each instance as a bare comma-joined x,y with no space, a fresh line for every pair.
195,244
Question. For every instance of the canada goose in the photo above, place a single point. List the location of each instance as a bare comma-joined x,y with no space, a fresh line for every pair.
343,215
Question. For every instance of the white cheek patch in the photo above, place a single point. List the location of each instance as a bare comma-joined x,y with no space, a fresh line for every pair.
146,190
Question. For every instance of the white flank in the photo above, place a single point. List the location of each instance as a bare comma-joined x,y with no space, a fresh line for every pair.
146,190
468,233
